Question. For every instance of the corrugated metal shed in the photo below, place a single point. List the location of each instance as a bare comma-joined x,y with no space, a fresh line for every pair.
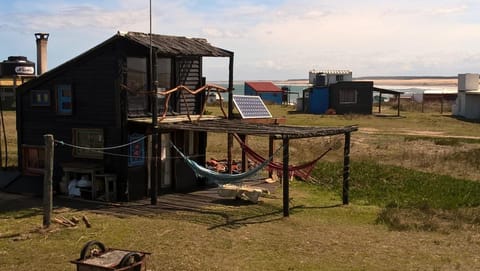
263,86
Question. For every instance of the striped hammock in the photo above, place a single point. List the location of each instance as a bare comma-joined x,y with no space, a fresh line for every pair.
221,178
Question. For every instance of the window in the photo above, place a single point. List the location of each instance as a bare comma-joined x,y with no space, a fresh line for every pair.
136,154
90,138
348,96
40,97
33,160
137,86
339,77
164,80
164,72
64,99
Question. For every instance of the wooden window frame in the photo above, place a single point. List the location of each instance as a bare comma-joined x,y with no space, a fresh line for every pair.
33,160
345,96
93,142
136,151
34,94
63,99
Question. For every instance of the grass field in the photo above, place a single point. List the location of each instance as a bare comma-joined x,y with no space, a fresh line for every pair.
415,205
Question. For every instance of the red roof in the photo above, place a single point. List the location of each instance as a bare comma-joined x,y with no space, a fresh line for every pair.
263,86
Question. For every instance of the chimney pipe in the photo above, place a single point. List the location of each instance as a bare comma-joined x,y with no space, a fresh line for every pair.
42,39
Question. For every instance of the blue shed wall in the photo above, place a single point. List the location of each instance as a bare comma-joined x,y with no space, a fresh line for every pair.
267,97
319,100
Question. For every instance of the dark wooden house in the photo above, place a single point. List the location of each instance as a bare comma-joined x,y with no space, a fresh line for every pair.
354,97
101,99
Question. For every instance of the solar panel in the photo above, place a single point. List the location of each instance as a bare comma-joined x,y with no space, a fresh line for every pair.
251,107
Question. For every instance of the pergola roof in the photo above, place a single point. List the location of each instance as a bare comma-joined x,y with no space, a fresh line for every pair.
388,91
242,127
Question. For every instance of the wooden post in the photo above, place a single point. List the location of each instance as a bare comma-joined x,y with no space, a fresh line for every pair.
398,106
380,102
270,154
244,155
423,102
230,87
229,152
441,105
230,112
47,181
346,168
286,192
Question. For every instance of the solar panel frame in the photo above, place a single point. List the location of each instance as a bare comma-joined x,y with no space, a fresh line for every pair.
251,107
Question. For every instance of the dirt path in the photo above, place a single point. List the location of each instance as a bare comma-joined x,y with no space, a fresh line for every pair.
406,132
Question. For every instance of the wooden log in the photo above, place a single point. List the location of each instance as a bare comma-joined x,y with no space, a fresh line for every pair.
86,221
68,221
61,222
75,219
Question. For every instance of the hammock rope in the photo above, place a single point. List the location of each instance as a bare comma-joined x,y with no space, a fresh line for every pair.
302,171
221,178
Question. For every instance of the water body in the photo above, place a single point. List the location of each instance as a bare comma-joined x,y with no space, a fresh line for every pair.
297,89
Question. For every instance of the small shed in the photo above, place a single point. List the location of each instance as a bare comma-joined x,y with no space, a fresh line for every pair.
468,99
316,100
354,97
391,92
468,105
269,92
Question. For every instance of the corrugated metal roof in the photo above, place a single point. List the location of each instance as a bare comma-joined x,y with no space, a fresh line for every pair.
332,71
263,86
166,45
177,45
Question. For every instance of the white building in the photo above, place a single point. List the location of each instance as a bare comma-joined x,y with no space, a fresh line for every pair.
328,77
468,99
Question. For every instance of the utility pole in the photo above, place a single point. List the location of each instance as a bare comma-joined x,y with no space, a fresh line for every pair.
153,91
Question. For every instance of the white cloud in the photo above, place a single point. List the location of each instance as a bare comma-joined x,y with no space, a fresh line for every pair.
279,40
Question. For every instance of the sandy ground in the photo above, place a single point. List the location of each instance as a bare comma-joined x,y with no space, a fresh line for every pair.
417,82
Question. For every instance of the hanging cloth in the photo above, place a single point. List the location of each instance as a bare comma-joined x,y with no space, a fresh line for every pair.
221,178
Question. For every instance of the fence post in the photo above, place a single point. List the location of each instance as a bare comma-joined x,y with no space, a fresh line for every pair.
47,181
346,169
285,180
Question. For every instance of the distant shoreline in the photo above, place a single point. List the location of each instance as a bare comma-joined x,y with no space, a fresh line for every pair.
444,81
437,81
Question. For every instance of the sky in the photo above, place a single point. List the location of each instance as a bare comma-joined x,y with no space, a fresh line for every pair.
271,39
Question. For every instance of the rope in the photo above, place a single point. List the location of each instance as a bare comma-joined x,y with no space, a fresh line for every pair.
99,149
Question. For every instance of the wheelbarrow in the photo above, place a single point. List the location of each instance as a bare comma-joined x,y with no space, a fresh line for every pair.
96,257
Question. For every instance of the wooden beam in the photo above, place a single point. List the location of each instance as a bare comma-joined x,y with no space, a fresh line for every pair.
47,181
346,169
285,180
